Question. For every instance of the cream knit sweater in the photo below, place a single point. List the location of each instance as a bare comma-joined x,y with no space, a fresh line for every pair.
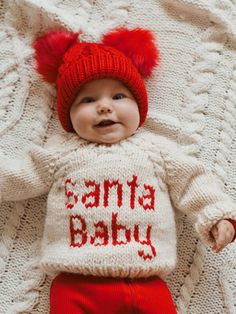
110,207
192,101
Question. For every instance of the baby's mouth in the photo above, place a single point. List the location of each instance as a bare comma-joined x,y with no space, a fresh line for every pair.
105,123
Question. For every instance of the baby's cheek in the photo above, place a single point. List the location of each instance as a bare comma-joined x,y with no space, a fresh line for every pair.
77,116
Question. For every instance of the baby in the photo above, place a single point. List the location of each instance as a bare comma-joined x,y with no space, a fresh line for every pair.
110,234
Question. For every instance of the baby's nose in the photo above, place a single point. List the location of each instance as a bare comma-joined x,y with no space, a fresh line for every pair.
104,108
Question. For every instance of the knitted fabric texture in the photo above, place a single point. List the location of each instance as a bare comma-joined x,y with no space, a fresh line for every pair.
84,62
113,216
192,101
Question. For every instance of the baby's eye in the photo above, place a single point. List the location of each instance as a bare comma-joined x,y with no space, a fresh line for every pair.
87,100
119,96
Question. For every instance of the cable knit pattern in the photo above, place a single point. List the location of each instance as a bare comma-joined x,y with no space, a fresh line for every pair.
192,101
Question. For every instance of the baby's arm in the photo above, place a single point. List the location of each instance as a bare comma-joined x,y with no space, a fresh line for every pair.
196,192
26,178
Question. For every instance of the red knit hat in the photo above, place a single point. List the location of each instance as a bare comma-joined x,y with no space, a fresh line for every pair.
125,55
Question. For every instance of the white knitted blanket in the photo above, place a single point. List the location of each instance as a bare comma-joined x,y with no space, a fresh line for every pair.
192,100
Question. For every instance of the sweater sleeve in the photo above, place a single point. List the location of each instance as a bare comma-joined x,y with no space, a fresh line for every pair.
196,192
25,178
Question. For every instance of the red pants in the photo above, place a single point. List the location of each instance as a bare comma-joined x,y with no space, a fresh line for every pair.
77,294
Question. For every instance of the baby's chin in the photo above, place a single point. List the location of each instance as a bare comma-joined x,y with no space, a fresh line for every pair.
106,139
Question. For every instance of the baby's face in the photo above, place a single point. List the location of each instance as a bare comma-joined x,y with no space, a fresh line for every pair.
104,111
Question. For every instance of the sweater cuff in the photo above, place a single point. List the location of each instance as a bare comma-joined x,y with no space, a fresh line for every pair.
210,216
233,222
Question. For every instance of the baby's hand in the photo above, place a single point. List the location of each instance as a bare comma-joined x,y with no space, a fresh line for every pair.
223,234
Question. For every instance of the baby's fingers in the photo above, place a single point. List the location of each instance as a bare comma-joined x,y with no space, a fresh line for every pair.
221,241
215,235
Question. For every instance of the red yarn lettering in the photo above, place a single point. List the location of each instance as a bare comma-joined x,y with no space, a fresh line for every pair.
133,185
148,242
116,228
101,233
95,194
120,235
150,196
93,197
107,186
71,197
78,231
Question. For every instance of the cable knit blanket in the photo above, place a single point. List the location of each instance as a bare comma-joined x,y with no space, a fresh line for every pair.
192,99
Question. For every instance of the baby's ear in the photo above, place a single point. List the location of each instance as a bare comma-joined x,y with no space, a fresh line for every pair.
49,51
138,45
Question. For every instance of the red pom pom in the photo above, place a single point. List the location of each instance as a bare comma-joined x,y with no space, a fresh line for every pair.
137,44
49,51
